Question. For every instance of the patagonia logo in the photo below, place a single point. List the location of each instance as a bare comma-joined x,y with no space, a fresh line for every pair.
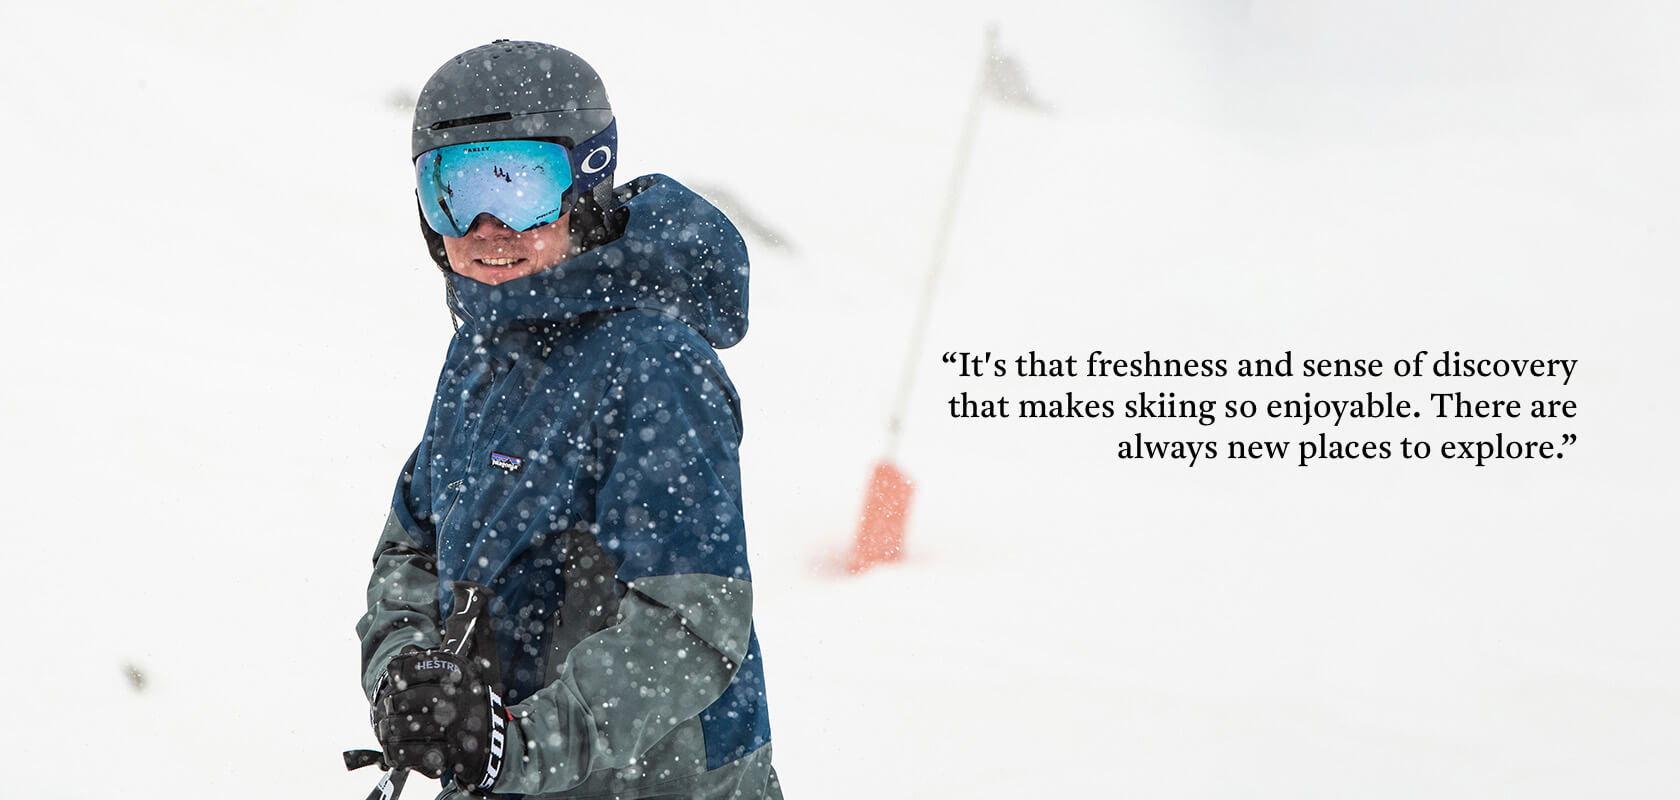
506,462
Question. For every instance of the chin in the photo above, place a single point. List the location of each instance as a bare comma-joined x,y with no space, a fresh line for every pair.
490,279
494,277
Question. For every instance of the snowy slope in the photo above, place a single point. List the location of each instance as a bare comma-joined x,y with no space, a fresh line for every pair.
225,334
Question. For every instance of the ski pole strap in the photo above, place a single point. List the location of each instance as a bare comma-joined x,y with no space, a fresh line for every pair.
390,785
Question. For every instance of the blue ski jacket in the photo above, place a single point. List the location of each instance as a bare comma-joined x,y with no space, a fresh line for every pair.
580,460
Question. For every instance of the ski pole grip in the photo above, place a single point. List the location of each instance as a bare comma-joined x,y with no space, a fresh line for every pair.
356,759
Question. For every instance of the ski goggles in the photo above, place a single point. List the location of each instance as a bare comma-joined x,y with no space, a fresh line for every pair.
524,183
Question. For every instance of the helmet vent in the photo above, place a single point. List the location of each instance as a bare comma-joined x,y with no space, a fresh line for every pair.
501,116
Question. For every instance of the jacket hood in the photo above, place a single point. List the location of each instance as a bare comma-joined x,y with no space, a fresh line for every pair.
678,254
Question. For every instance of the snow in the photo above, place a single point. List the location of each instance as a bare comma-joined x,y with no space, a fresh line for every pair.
225,333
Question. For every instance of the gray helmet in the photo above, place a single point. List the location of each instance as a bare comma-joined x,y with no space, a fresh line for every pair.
511,90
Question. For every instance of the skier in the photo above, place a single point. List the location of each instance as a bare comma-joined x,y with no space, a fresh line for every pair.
580,461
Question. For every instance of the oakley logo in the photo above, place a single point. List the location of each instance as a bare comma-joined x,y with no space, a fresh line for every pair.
589,166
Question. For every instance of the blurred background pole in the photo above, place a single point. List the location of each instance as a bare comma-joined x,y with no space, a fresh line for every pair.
880,535
941,243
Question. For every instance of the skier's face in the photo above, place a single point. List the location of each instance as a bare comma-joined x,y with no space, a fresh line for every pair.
493,253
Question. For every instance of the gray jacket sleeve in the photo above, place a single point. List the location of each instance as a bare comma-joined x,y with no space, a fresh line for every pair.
402,596
677,645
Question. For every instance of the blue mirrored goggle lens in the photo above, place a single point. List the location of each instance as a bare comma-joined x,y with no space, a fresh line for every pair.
522,183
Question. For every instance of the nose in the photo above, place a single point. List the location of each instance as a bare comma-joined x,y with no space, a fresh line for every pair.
485,226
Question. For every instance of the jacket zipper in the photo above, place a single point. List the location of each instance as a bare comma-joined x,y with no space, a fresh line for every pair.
459,486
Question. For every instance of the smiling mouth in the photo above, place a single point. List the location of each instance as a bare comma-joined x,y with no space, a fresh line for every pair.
498,262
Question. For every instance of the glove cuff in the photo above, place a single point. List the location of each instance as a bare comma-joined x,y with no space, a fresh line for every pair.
495,745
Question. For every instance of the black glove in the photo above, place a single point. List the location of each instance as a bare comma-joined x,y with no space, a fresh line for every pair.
435,711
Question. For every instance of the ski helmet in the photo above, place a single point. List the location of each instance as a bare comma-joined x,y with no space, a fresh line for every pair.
521,90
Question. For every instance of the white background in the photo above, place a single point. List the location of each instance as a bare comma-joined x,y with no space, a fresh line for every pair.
223,333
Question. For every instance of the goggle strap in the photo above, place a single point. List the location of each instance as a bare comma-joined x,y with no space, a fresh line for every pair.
595,159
